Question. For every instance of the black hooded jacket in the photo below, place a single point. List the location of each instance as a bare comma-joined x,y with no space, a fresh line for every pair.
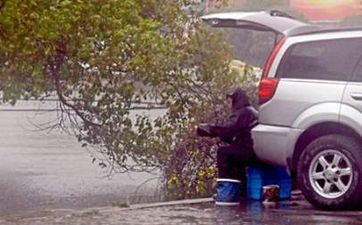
236,130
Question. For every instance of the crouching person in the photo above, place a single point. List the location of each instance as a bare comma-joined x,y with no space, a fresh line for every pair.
237,152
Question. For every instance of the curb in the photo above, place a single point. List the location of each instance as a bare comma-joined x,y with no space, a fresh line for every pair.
172,203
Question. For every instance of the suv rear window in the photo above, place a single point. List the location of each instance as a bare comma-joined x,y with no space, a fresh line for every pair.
322,60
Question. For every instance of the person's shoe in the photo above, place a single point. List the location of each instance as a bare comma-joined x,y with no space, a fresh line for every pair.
227,192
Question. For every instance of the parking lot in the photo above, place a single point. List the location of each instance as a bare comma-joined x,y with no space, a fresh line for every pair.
296,212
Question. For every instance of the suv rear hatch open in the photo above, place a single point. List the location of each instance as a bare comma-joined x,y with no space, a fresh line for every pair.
275,21
280,23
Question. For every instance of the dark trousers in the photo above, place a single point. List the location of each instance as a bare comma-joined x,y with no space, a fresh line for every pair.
232,161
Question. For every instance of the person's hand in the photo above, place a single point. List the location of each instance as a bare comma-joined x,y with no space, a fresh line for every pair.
203,129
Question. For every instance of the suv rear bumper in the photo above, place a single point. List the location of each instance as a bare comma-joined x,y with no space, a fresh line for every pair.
275,144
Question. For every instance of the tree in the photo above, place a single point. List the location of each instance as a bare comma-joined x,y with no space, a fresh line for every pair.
103,58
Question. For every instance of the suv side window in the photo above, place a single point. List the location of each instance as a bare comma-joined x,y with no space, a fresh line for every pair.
321,60
358,72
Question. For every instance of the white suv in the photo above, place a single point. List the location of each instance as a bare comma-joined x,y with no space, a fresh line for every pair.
310,115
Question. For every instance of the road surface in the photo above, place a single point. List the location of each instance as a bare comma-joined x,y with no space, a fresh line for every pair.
40,170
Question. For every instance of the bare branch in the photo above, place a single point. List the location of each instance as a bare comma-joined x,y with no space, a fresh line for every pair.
71,106
144,183
55,64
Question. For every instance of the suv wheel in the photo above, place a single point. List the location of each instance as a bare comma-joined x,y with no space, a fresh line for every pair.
330,172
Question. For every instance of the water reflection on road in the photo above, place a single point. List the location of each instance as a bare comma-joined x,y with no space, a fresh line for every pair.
50,170
248,213
284,213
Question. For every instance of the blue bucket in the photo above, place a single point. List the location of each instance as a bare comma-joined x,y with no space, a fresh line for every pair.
257,177
227,192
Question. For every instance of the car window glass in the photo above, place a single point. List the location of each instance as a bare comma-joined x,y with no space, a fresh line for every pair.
326,60
358,72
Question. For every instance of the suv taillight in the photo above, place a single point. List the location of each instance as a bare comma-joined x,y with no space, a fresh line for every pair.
267,85
267,89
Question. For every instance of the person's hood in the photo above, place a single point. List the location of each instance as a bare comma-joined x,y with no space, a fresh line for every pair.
239,98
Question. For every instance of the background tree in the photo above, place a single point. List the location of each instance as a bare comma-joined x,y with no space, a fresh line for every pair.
103,58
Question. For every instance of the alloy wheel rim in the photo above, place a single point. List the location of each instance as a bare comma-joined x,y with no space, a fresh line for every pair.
330,174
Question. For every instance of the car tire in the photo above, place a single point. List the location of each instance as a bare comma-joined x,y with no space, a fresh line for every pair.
330,172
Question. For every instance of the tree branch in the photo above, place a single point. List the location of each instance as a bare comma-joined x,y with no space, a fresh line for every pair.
54,68
74,108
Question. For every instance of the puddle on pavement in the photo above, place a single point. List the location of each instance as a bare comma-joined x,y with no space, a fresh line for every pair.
282,213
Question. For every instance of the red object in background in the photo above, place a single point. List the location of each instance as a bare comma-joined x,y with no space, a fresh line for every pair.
327,10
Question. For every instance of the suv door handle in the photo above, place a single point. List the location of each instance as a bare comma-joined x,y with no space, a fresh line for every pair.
357,96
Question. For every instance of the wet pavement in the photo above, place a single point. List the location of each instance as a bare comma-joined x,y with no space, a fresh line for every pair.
41,172
48,170
248,213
